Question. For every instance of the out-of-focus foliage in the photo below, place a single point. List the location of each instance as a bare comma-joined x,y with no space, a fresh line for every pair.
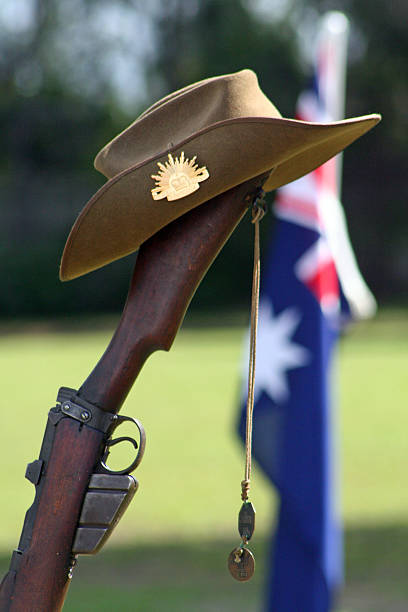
73,73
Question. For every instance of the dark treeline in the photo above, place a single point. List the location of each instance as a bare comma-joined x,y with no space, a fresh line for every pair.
73,73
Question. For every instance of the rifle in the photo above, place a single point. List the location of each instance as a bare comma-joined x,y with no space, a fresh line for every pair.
78,498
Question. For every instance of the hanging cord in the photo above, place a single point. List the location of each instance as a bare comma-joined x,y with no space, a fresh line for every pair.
258,211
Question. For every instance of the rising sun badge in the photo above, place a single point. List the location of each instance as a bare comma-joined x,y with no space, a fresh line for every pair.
177,178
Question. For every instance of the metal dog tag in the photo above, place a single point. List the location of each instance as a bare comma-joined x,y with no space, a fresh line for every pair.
241,564
246,521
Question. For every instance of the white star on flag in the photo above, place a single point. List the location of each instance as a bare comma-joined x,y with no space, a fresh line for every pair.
275,353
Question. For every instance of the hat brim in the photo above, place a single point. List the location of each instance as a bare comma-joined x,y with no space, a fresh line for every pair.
123,214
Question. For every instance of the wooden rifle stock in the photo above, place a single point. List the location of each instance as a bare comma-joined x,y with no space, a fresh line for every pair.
169,268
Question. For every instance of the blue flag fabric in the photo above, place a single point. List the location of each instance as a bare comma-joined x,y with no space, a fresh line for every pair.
292,427
311,287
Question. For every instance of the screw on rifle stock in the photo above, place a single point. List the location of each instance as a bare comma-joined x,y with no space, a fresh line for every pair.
77,412
71,567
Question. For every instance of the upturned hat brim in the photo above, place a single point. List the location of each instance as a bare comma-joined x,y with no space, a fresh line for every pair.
123,214
187,148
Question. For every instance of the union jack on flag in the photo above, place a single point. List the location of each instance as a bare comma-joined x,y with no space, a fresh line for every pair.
313,202
311,285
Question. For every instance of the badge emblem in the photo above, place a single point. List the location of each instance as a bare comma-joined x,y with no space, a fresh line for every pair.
177,178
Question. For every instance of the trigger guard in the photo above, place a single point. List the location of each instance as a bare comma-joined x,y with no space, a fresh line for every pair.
112,442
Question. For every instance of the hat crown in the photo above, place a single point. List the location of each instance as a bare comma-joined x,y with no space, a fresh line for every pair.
188,148
182,114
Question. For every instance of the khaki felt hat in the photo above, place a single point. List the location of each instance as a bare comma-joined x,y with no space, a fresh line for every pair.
187,148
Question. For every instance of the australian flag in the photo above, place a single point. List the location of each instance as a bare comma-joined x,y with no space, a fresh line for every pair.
311,287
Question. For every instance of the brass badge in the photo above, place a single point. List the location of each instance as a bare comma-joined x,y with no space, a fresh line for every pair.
241,564
177,178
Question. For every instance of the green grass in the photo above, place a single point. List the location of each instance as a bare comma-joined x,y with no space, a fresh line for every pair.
169,551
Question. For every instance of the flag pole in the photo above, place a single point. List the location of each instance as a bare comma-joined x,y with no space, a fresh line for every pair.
331,60
332,42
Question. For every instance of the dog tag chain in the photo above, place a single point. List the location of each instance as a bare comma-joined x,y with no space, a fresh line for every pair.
241,562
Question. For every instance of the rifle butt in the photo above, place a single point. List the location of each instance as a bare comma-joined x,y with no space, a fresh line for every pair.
169,268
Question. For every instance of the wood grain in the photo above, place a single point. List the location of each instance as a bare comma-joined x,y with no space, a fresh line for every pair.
168,270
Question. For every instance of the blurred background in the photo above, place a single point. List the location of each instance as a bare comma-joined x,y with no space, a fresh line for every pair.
74,73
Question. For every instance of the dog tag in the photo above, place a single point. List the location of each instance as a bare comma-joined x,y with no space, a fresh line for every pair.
241,564
246,521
